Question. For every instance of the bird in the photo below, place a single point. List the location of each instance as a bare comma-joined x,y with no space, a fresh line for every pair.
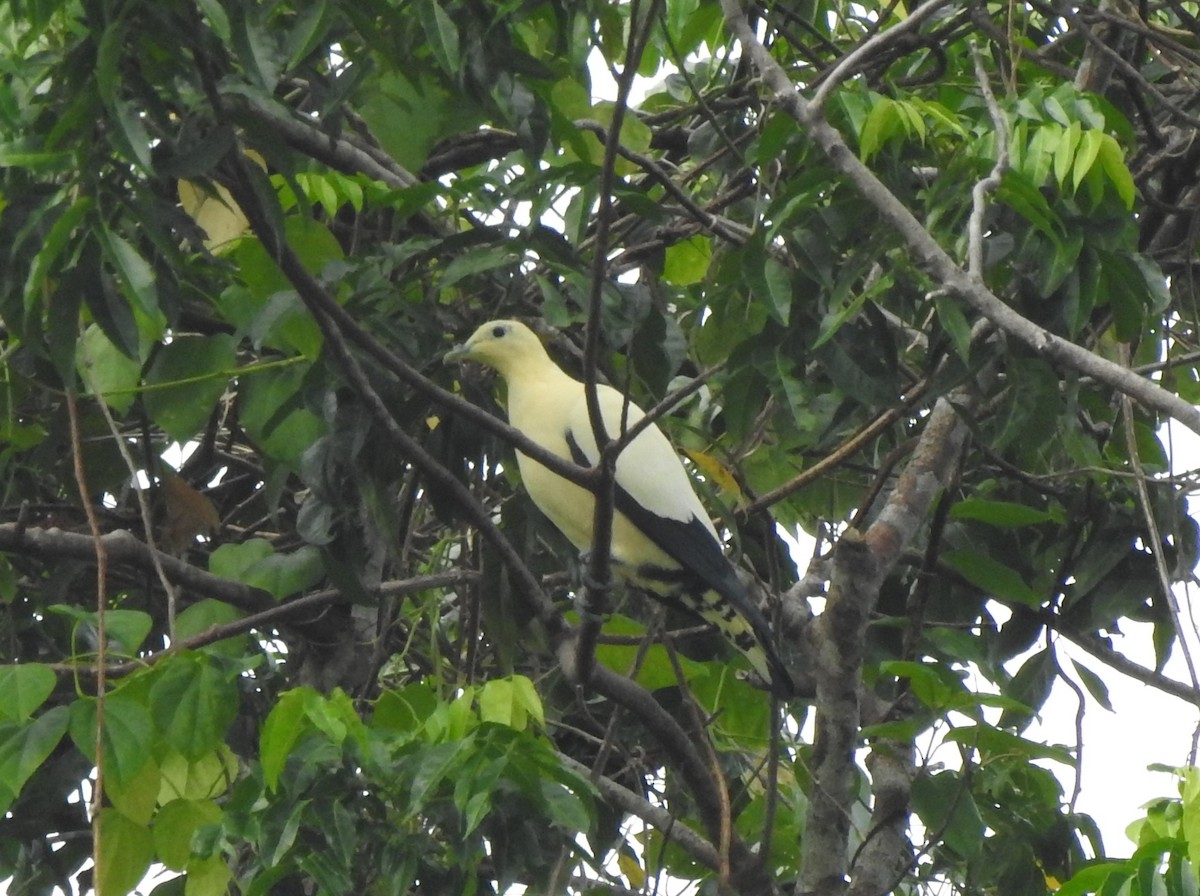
662,538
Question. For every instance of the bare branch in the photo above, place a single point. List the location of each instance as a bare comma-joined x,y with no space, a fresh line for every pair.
662,820
989,184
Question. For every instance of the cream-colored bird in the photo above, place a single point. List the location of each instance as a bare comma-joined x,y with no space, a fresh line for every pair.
662,539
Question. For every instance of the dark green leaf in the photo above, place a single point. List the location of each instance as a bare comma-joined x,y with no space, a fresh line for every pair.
128,733
1094,684
185,381
992,576
1005,514
23,748
193,704
944,803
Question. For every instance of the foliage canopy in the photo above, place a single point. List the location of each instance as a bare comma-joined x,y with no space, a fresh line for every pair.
933,309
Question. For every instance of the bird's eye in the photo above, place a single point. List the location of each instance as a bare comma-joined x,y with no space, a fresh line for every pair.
497,332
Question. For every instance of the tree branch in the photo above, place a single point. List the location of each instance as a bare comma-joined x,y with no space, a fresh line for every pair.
746,871
662,820
122,547
932,256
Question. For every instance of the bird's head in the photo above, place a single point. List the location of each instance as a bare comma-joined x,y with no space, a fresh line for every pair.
502,344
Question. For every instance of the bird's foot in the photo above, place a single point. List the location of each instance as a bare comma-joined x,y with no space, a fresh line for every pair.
592,596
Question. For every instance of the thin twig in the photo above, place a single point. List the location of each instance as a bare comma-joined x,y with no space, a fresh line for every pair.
839,455
871,47
85,498
989,184
1154,540
144,511
599,566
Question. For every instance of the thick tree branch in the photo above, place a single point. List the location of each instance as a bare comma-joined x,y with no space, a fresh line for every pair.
861,562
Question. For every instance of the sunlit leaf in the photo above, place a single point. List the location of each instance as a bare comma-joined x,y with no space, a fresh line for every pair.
123,852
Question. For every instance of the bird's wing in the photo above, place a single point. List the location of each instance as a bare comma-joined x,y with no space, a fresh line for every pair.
653,490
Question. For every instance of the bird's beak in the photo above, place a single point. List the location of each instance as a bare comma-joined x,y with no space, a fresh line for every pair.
458,353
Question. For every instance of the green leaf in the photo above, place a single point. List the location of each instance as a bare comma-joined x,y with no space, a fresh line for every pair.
27,154
442,34
132,133
935,686
510,701
204,778
687,261
992,576
204,615
1190,827
1063,261
1112,161
1023,196
137,797
310,28
992,743
55,242
274,416
106,370
566,807
954,322
137,277
283,726
944,803
282,575
217,18
478,261
1031,687
193,704
123,852
208,876
1005,514
882,122
406,116
175,825
496,704
23,688
404,710
1094,684
256,564
775,286
233,561
124,629
128,734
526,696
1085,156
1040,154
185,381
1064,152
23,748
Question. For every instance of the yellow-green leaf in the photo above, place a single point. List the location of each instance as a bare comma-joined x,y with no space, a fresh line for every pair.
123,852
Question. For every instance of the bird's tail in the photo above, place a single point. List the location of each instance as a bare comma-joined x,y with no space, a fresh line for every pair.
750,636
